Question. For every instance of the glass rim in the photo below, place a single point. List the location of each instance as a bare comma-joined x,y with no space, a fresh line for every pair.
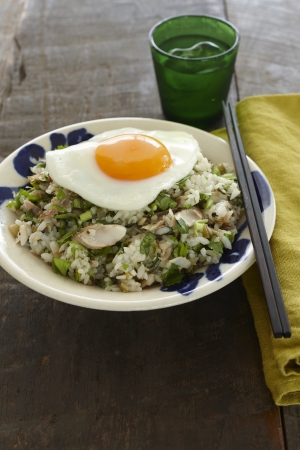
169,55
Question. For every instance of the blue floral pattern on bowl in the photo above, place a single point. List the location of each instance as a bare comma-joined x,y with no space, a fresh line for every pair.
28,156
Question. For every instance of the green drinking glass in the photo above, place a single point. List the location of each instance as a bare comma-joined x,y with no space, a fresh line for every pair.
194,59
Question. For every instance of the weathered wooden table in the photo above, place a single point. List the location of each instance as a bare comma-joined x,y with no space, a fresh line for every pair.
188,377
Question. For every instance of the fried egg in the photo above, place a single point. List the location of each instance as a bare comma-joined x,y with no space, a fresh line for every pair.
124,169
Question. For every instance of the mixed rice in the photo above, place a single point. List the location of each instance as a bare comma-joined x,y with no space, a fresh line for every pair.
183,229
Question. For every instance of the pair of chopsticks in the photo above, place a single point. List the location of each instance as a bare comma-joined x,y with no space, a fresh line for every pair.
264,259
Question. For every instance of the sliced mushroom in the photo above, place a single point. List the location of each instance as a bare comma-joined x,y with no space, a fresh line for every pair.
48,214
24,233
189,215
182,262
28,205
99,235
154,226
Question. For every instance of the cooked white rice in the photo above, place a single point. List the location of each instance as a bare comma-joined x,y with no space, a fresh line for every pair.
158,247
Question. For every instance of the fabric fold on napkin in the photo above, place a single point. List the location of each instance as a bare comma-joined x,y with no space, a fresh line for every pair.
270,130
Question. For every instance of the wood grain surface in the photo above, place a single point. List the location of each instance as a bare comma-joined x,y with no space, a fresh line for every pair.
188,377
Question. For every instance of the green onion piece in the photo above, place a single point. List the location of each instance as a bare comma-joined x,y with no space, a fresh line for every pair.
204,196
102,251
208,203
41,165
62,231
59,208
27,216
60,147
199,225
182,226
61,265
181,182
12,204
75,246
60,193
215,170
86,216
87,205
146,243
229,176
181,249
230,236
65,216
154,262
172,276
66,237
197,248
76,203
77,275
164,202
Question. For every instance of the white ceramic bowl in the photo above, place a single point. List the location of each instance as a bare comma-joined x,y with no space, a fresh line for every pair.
30,270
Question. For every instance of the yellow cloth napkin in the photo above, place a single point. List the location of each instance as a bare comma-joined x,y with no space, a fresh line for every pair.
270,130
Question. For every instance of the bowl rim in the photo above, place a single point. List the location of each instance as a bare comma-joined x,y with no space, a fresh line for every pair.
130,301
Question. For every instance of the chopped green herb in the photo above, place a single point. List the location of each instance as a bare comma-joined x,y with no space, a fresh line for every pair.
66,237
154,261
65,216
172,276
146,243
41,165
182,226
62,231
182,182
181,249
197,248
27,216
86,216
76,203
215,170
77,275
60,193
199,225
61,147
164,202
61,265
208,203
102,251
229,176
75,246
216,246
87,205
60,208
204,196
230,236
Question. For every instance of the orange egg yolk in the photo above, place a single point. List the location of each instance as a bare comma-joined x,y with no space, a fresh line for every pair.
132,157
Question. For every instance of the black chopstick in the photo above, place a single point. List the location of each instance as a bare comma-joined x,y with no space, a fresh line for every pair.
277,312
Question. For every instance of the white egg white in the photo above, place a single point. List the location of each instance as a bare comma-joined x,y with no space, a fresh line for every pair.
75,168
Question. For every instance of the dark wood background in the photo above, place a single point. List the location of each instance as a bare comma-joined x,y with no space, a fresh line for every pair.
188,377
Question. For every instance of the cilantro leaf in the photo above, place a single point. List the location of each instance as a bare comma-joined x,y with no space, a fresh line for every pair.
147,243
182,226
172,276
60,265
164,202
216,247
